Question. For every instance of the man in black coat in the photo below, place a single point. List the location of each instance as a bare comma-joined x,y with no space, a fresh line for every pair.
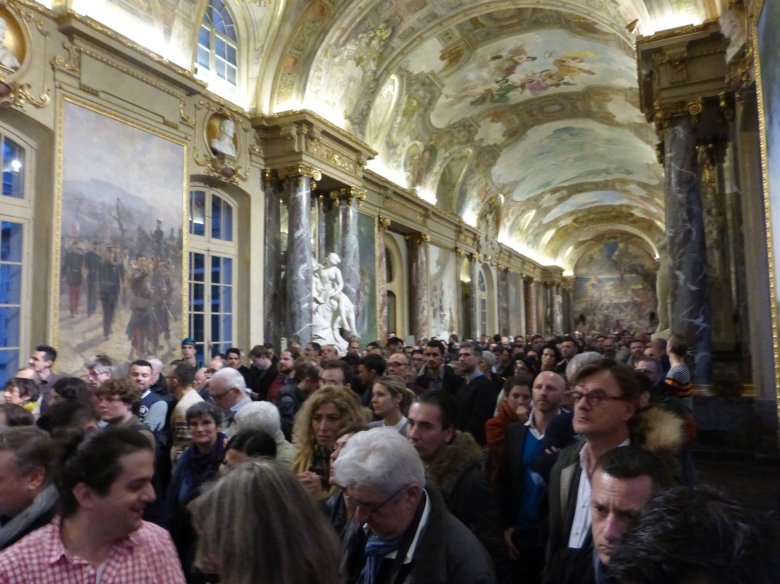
475,399
436,374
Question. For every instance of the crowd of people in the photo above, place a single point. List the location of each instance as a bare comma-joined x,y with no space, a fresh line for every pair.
503,459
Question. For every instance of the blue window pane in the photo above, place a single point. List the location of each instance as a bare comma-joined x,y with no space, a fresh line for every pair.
197,266
10,284
216,330
231,55
220,48
11,241
203,58
204,37
196,328
9,364
216,217
227,299
230,29
10,318
13,169
198,212
231,75
227,326
216,296
227,271
197,298
216,269
217,22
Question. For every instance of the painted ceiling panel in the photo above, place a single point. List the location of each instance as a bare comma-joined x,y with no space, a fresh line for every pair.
532,101
573,151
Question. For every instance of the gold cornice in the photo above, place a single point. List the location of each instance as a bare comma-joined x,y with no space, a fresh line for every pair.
677,32
300,170
302,116
63,20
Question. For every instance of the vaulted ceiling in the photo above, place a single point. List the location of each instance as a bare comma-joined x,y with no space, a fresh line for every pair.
531,105
527,109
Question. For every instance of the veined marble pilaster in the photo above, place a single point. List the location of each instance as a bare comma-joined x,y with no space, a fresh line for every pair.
541,308
529,295
690,309
350,248
503,301
418,249
382,224
273,295
300,257
474,260
460,323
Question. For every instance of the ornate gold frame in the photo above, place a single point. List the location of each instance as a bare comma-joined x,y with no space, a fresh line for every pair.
56,248
757,10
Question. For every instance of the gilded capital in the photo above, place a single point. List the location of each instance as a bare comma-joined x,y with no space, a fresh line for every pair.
418,238
347,194
300,170
383,222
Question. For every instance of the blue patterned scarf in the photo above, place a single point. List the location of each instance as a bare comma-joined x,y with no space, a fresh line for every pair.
376,549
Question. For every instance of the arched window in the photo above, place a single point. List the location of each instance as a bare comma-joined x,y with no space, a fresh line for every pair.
218,45
17,164
212,271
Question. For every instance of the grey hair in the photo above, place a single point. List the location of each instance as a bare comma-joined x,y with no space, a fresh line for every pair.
100,364
156,363
232,378
379,458
579,361
259,415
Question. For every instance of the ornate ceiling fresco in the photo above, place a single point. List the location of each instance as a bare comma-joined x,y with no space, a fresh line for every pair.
526,107
533,105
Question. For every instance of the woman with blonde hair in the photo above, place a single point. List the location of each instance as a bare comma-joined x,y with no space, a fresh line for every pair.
390,400
322,416
257,524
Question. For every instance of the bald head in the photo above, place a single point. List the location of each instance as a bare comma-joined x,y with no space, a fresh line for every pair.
548,391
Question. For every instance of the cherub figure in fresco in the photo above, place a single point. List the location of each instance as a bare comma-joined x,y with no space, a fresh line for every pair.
504,65
569,66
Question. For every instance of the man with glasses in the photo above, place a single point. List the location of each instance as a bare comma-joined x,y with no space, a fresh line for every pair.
399,530
605,397
227,389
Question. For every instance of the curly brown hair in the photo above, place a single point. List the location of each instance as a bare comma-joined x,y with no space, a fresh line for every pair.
124,389
352,414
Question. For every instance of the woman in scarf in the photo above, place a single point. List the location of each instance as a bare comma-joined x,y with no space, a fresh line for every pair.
196,466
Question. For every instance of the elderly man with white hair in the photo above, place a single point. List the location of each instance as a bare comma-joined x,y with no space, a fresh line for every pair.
400,531
263,415
227,390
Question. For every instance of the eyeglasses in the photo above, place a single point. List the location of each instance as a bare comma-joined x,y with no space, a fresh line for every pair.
369,509
594,398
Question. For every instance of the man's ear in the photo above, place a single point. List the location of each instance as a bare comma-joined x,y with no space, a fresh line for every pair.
85,495
35,478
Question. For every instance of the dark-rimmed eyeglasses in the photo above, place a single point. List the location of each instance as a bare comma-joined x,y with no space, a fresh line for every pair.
370,509
594,398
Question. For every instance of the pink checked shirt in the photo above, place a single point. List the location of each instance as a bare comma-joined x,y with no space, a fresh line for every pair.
146,556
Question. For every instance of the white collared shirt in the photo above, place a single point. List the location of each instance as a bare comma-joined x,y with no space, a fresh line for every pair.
580,527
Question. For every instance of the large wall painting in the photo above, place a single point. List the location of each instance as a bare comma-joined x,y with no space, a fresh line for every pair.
121,241
615,288
366,304
767,45
443,301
